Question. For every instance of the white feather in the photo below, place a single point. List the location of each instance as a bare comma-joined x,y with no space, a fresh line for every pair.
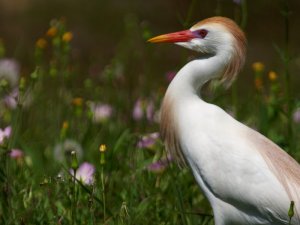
226,163
246,178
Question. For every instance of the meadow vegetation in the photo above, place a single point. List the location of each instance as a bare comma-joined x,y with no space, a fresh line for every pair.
83,147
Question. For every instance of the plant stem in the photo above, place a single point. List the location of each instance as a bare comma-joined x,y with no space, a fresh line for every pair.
73,212
5,203
7,190
103,193
178,193
243,23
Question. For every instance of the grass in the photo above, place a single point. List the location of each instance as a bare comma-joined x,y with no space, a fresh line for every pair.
58,110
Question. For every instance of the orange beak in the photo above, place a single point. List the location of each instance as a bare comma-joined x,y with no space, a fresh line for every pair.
181,36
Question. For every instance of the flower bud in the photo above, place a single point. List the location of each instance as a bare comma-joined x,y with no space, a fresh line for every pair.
291,210
74,162
22,84
102,150
34,74
3,83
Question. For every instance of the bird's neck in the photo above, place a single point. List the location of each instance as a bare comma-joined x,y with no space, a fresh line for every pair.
190,79
185,86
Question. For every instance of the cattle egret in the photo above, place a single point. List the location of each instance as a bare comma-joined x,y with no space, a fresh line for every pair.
246,177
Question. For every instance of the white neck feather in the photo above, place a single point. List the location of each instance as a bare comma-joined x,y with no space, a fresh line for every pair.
191,78
186,84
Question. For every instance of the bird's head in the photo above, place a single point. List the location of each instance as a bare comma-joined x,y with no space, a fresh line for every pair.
213,36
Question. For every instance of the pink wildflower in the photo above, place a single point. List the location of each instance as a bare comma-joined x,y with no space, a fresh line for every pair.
296,115
148,141
10,100
160,165
143,109
5,133
16,154
138,111
9,71
85,173
101,112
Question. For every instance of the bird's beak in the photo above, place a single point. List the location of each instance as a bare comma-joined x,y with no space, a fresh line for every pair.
181,36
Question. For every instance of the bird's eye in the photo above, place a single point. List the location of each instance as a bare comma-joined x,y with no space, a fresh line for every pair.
202,33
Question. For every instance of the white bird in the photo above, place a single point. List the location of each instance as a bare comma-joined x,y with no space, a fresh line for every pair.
246,177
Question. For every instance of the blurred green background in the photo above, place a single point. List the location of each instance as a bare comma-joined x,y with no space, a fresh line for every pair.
99,27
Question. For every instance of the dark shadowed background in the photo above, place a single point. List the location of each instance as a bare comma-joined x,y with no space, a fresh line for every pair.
100,26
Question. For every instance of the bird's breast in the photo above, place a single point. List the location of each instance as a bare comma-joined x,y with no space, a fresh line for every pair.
212,143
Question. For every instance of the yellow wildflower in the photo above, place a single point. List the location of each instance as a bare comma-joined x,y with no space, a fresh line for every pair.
102,148
64,129
67,37
65,125
41,43
272,75
77,101
51,32
258,67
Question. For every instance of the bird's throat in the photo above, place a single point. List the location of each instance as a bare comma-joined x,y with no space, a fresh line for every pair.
191,78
